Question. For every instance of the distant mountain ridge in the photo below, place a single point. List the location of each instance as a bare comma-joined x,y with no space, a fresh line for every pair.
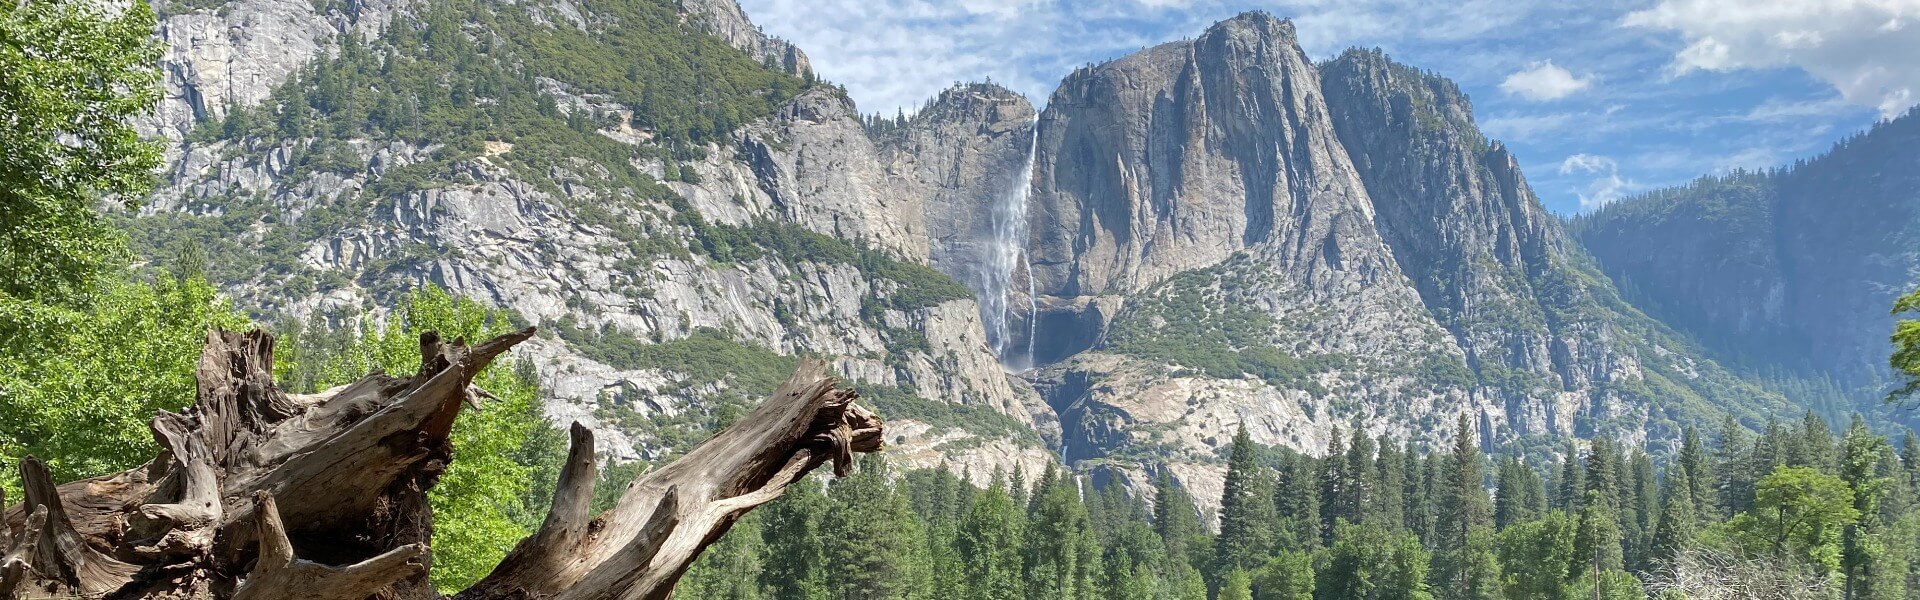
1807,258
1215,232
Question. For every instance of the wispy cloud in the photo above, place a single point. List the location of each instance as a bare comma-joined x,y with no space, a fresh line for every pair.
1544,81
1605,185
1866,49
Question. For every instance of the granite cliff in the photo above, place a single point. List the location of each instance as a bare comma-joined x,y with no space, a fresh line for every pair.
1202,235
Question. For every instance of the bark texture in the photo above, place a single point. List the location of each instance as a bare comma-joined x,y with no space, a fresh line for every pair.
258,494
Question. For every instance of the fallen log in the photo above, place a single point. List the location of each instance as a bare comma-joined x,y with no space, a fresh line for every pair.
260,494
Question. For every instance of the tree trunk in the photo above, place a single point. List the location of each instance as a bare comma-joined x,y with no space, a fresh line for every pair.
258,494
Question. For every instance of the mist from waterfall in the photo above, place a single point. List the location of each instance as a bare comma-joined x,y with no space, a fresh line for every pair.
1005,254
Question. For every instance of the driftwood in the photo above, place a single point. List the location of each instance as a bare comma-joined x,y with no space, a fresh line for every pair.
258,494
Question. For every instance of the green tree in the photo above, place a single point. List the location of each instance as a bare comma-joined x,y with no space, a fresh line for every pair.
1693,459
988,542
1246,510
1864,561
1296,500
1640,510
1571,483
1464,512
1536,557
1335,488
1798,513
1177,521
1597,543
1518,494
77,73
1905,359
1061,556
1286,576
873,538
796,562
1236,585
84,409
1390,479
1678,519
1367,562
730,568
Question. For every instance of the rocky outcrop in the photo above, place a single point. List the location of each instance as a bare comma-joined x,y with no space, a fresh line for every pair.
214,60
567,249
1176,157
1227,234
970,152
725,19
1218,159
822,171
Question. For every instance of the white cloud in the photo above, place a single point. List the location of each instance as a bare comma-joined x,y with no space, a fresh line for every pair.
1606,185
1544,81
1869,50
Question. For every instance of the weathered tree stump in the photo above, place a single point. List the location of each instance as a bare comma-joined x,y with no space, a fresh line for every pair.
259,494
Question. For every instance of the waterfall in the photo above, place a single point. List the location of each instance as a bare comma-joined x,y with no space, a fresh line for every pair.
1005,253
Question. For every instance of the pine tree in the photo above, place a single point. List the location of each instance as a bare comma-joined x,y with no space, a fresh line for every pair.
1246,510
1570,486
1863,552
1514,493
1419,494
1061,556
1640,510
1814,447
1362,495
1017,489
988,545
731,568
1463,503
1236,585
1603,473
1678,518
1731,458
873,538
1390,478
1465,513
1297,504
1699,475
795,565
1334,486
1177,522
1134,564
1597,543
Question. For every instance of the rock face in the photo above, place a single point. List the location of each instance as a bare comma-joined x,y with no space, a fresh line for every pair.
1791,269
1174,158
725,19
1354,254
1199,236
972,151
573,252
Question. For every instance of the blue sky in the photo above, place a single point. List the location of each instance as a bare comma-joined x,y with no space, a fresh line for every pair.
1600,100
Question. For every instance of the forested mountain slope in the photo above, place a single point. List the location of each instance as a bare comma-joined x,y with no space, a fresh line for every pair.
1788,270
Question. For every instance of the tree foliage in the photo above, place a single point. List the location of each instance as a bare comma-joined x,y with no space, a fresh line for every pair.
76,72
